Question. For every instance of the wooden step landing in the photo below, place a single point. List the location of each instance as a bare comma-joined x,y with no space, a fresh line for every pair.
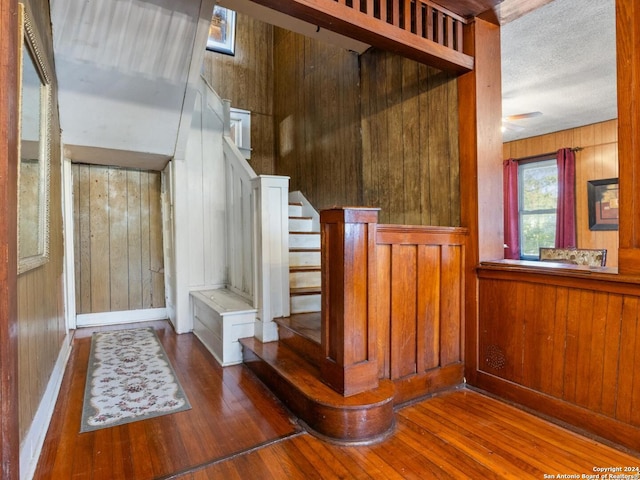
364,418
301,333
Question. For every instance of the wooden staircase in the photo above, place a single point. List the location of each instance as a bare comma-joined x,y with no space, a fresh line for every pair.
390,330
304,262
292,366
290,369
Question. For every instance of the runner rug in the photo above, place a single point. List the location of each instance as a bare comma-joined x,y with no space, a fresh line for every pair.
129,379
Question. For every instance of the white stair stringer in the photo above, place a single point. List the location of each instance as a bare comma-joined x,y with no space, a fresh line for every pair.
304,258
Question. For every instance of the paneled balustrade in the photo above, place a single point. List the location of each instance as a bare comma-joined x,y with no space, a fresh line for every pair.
393,304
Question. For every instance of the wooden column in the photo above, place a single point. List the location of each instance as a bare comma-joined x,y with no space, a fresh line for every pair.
348,276
9,48
628,61
480,107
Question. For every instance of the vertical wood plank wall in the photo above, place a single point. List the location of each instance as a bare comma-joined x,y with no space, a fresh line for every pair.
317,115
41,322
597,160
409,141
118,239
567,347
420,307
378,130
247,80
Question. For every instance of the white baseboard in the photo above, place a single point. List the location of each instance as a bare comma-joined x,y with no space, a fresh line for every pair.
32,444
122,317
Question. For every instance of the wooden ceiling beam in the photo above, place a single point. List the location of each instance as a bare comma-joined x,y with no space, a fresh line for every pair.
511,10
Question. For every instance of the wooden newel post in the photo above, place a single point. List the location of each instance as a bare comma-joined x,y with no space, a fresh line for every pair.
348,280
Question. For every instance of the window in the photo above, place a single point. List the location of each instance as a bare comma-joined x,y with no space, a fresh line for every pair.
537,206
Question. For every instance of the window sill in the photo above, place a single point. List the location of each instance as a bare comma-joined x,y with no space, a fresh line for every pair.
548,267
605,279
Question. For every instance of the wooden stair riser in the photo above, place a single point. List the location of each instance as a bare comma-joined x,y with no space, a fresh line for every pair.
304,258
364,418
305,278
297,341
304,262
295,210
304,240
306,303
300,224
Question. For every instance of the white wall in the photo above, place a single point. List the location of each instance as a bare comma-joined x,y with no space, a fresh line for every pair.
199,209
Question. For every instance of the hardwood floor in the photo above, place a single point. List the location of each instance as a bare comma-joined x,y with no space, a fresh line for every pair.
238,430
231,412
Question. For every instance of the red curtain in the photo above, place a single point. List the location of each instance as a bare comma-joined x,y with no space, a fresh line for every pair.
566,213
511,228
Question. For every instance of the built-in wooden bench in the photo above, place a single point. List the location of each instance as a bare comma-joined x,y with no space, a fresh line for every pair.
220,318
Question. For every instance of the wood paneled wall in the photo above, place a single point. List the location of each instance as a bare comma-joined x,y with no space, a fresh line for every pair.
247,80
317,114
419,309
564,345
118,239
10,121
598,159
409,141
41,322
378,130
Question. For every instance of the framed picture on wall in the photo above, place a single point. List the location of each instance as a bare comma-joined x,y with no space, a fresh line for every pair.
602,196
222,31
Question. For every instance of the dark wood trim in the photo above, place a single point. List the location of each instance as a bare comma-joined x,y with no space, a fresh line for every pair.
560,275
628,52
415,386
9,47
412,234
348,279
479,107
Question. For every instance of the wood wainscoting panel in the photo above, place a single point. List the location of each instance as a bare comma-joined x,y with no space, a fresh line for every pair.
419,307
117,239
565,346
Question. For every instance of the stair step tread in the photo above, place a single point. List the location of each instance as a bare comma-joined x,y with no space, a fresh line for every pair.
306,325
295,204
295,291
305,268
306,377
291,217
304,250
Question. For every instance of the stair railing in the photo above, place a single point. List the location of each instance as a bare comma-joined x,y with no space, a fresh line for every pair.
421,29
257,236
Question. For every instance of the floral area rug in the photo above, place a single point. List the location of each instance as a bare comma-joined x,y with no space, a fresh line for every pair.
129,379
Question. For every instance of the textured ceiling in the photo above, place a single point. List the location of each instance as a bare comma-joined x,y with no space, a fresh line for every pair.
559,60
